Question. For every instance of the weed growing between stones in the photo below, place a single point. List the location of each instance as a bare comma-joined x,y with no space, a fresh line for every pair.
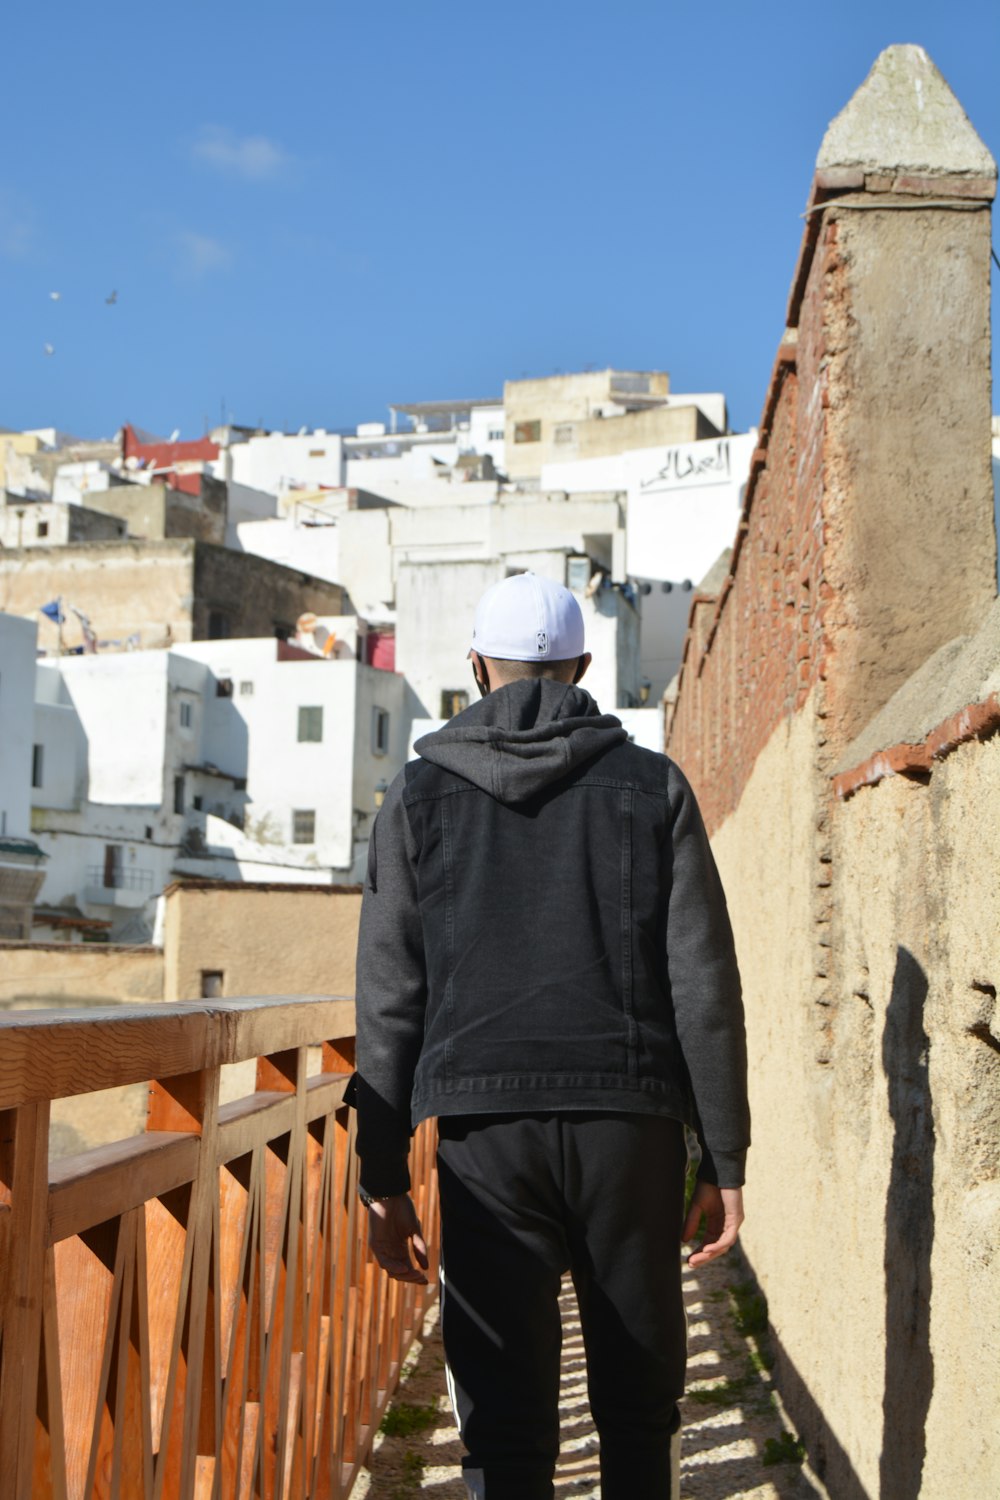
405,1419
788,1449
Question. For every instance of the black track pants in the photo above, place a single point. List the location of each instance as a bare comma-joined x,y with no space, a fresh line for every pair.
523,1199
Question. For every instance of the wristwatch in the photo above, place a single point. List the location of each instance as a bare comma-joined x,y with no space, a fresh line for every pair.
368,1199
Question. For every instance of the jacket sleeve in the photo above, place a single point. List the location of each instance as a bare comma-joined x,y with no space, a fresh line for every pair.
391,997
705,986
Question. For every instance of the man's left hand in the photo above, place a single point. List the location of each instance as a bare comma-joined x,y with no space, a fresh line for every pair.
393,1227
722,1210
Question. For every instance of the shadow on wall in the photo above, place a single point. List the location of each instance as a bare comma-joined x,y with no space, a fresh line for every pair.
909,1240
909,1236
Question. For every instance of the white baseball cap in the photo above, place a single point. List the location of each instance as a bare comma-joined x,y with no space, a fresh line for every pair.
528,618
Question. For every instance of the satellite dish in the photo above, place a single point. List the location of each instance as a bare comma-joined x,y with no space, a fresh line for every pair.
174,435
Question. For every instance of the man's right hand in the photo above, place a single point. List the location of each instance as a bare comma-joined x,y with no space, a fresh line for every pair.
393,1227
722,1210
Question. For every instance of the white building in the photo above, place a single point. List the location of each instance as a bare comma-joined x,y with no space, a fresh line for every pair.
436,604
277,462
683,502
319,738
21,860
234,759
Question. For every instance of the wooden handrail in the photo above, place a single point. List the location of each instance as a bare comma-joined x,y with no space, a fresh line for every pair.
193,1314
54,1054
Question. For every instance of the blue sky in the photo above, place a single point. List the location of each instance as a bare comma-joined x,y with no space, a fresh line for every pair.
309,211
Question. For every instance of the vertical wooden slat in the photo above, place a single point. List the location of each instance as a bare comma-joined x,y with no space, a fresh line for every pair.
24,1157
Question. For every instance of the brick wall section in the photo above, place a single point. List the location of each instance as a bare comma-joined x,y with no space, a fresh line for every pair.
755,651
863,493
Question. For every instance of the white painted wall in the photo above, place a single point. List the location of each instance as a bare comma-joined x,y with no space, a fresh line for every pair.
245,504
435,606
312,549
258,727
278,461
121,702
365,557
683,500
17,695
73,482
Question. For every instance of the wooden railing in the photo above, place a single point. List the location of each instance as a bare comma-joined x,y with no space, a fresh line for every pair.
193,1312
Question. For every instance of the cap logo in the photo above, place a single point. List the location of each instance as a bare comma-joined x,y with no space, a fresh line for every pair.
542,642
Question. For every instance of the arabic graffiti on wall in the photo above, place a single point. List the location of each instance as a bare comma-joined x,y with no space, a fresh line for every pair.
692,464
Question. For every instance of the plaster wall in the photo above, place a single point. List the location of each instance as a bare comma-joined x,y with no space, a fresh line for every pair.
311,549
683,500
254,733
278,461
44,523
121,704
128,590
264,941
564,439
875,1090
435,605
40,975
17,697
907,324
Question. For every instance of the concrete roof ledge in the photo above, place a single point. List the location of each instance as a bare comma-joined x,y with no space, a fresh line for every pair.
905,119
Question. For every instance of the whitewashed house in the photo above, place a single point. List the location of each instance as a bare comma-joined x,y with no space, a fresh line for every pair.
21,859
231,759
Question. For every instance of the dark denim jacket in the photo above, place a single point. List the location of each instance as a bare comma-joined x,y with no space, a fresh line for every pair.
543,927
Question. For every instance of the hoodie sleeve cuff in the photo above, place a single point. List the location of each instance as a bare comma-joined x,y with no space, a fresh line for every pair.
385,1176
722,1168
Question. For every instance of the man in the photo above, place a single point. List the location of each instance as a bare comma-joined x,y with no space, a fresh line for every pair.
546,965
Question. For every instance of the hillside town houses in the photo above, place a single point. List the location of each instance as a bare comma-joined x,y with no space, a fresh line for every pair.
216,654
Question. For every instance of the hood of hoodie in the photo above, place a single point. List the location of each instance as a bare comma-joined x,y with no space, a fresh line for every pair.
520,738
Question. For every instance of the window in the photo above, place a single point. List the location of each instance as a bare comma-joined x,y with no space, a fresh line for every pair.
578,573
565,432
178,794
317,452
496,435
196,803
218,625
380,731
527,432
310,725
453,700
37,764
149,831
224,687
303,826
186,715
43,528
212,981
246,689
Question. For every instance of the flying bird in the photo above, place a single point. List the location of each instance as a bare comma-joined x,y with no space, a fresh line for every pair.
50,349
56,296
110,301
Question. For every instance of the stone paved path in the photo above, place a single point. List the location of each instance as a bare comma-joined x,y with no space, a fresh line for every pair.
730,1412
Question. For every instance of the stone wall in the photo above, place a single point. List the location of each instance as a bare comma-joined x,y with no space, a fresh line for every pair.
838,713
158,593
